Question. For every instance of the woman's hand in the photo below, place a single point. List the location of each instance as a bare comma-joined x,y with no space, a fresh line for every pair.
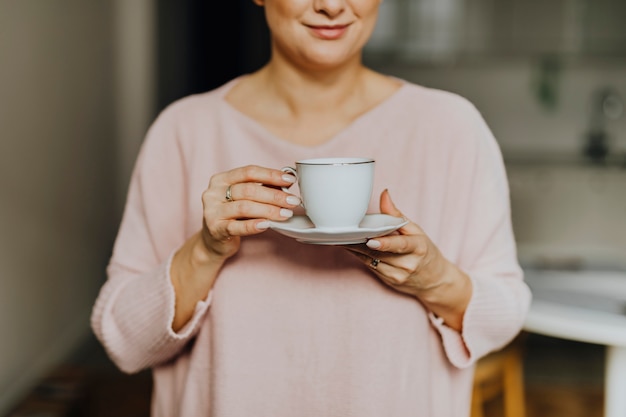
240,202
409,262
236,203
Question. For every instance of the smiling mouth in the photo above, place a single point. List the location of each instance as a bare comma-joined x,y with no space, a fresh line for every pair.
328,32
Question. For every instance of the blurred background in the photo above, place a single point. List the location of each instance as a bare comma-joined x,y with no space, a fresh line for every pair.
81,81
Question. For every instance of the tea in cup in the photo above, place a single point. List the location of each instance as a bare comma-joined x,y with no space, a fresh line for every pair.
335,192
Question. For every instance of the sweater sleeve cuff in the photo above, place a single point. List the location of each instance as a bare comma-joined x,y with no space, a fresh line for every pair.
493,318
141,334
453,343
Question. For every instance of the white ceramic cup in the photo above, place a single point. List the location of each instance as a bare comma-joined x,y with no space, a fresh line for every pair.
335,192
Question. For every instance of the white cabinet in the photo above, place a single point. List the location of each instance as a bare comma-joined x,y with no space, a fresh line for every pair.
447,30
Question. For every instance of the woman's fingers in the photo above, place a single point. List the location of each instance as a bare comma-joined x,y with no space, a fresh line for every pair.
230,228
418,244
388,207
382,265
240,202
407,260
248,209
239,188
253,201
253,174
249,191
372,259
408,239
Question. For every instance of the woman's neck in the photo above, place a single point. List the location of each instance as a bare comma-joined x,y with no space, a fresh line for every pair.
302,92
309,107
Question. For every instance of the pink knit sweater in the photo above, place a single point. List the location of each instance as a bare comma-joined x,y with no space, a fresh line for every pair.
292,329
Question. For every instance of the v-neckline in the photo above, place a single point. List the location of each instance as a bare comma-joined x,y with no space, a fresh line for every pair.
269,135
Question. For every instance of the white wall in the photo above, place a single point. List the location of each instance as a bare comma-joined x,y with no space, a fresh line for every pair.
505,91
61,176
135,82
567,214
563,208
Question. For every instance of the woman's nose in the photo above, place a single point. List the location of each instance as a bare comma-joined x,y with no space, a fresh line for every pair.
331,8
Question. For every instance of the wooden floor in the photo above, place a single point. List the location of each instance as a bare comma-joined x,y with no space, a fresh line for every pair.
562,379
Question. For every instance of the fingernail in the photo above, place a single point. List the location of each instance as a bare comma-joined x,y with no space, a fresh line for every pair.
289,178
263,225
286,213
373,244
293,200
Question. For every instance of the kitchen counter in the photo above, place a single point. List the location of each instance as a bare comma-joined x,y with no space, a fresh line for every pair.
585,305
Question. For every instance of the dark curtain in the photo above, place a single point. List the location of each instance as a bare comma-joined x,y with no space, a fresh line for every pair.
204,43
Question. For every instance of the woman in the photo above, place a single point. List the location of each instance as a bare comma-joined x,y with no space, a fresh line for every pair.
238,320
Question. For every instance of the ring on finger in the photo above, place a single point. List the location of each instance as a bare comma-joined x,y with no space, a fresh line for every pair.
229,196
374,263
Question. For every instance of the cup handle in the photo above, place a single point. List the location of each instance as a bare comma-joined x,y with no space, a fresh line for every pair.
289,170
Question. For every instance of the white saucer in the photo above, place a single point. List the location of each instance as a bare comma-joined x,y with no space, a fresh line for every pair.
373,225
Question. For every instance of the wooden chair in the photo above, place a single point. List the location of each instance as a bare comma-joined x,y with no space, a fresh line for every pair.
500,375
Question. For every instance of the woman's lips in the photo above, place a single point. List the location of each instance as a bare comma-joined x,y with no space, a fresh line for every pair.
329,32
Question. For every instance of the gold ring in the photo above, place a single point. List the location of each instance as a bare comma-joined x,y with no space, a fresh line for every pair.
229,196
